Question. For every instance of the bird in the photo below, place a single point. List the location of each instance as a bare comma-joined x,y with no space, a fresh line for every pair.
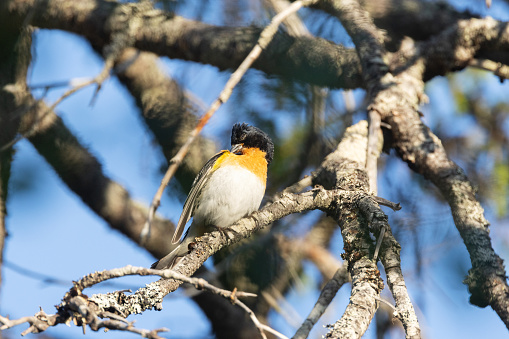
230,186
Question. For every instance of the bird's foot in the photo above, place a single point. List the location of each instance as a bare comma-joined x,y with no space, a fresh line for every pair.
224,230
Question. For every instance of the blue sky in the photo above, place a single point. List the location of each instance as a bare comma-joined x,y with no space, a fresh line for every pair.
52,232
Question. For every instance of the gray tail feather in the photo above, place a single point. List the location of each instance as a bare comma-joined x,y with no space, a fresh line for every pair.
168,261
172,258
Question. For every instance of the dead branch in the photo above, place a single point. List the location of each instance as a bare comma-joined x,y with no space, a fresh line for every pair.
344,168
368,41
199,283
87,310
328,293
83,310
423,151
33,129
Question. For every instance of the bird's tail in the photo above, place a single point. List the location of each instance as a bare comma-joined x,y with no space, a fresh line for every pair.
168,261
172,258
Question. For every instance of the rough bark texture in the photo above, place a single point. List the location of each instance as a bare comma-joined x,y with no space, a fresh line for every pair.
419,20
176,37
15,57
424,153
455,47
151,296
332,201
396,99
344,169
225,47
368,41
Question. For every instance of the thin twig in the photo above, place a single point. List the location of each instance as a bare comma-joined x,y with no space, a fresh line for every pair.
99,79
83,312
373,149
287,313
379,243
64,83
48,279
97,277
36,275
122,37
391,306
41,321
265,38
293,24
499,69
395,206
328,293
261,327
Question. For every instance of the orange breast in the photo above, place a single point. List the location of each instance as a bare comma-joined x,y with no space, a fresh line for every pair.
252,159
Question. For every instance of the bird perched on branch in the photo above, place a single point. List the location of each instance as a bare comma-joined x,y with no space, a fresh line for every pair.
230,186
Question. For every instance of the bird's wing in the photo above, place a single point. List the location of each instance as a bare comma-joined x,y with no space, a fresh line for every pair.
200,181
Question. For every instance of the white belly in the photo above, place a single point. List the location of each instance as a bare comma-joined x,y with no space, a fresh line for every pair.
230,194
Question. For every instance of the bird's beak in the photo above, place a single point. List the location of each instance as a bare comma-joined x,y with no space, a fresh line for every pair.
236,148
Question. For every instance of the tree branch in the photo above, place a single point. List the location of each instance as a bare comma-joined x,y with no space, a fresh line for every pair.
424,153
328,293
368,41
344,169
396,99
15,58
82,173
83,310
497,68
412,18
226,47
166,110
87,310
265,39
169,114
176,37
456,47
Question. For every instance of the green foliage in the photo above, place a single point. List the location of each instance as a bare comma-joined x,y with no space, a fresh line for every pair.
501,188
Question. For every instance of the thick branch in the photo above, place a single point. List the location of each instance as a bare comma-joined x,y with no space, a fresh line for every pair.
313,60
425,154
15,57
368,42
344,169
151,296
82,173
167,111
396,99
456,47
365,35
419,20
226,47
